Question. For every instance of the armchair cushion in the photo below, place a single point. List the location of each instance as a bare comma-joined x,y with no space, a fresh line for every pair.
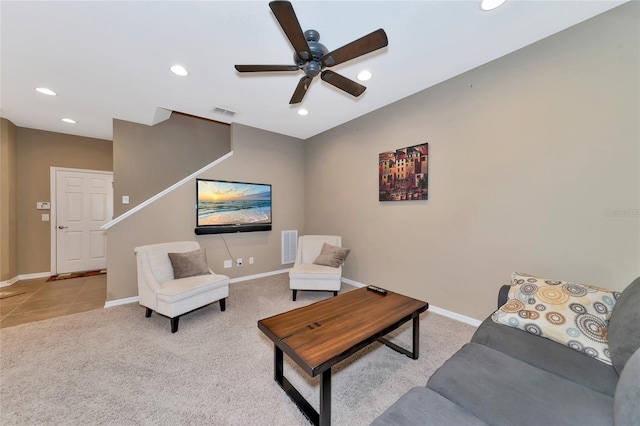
306,271
189,264
331,256
184,288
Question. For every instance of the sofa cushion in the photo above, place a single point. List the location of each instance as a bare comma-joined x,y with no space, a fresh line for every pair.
189,264
421,406
624,332
547,355
502,390
574,315
332,256
625,406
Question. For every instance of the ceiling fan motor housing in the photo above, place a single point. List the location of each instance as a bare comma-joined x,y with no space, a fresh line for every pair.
313,66
312,57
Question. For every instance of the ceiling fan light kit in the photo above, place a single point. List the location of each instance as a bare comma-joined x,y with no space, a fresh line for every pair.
488,5
312,57
365,75
179,70
46,91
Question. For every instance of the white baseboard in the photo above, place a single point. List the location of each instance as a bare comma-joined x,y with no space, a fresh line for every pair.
352,282
458,317
462,318
7,283
118,302
253,277
24,277
33,276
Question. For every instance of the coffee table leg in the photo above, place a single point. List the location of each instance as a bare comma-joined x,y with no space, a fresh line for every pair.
325,398
416,337
304,406
415,352
277,366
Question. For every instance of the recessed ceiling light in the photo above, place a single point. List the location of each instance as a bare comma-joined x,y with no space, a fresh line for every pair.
46,91
302,111
365,75
491,4
179,70
69,120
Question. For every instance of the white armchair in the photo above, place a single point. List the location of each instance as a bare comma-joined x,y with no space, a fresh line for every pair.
305,275
159,291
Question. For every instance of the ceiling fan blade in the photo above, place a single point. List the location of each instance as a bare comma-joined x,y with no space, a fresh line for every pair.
343,83
289,22
261,68
300,91
374,41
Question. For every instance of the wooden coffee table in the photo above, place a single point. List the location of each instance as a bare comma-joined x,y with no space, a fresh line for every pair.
324,333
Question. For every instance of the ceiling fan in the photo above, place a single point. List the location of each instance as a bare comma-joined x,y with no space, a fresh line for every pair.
312,57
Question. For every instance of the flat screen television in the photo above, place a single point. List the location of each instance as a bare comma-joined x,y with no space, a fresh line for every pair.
224,206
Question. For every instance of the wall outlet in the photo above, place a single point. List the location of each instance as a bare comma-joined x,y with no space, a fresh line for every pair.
251,261
227,263
239,261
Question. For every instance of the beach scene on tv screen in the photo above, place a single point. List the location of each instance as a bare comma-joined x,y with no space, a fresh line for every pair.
230,203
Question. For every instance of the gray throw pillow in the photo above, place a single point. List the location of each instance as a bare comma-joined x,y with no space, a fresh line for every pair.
623,330
331,256
189,264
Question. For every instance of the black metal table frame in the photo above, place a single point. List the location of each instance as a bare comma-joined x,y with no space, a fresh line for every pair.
323,418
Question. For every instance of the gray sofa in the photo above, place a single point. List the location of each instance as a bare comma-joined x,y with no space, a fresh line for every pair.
506,376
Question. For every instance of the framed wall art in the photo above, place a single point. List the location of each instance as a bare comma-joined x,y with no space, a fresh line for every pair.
403,174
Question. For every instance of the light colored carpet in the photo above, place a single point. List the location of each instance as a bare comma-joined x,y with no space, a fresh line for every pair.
116,367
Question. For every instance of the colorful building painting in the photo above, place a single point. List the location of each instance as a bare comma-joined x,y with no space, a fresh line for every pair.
403,175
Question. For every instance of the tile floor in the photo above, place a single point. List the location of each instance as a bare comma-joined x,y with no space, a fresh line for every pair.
43,300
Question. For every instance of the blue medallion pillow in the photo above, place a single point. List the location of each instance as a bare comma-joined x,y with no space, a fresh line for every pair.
575,315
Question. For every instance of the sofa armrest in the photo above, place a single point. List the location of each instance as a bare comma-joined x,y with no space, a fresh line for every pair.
503,295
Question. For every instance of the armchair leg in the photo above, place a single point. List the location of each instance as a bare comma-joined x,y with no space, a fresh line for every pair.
174,324
223,304
147,314
335,293
295,293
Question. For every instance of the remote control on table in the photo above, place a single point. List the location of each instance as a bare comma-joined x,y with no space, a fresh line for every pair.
377,289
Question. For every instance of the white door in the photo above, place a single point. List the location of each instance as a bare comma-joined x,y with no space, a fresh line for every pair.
84,202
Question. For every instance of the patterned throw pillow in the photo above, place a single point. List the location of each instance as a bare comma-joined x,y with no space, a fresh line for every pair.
575,315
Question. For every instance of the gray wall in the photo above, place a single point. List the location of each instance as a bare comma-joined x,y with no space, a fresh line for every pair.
529,156
38,151
8,201
149,159
258,157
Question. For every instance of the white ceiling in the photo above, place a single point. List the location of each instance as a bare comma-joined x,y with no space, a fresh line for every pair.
111,59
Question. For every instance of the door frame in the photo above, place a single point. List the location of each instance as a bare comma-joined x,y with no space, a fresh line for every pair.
52,213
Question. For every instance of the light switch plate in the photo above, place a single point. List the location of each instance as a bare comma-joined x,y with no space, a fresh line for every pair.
125,199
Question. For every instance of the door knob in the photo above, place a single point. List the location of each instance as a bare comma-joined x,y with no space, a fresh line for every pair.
62,227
